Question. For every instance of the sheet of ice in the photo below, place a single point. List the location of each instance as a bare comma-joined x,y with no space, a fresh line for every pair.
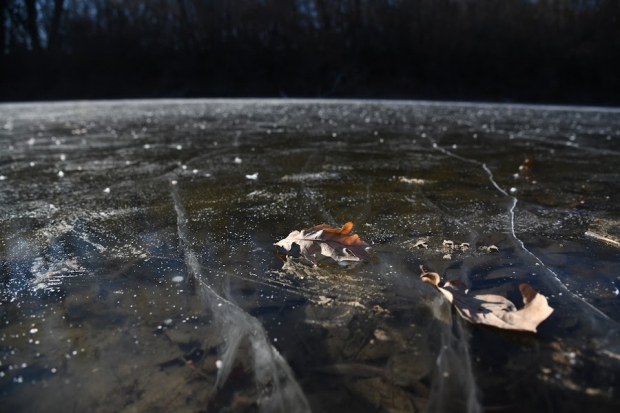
142,302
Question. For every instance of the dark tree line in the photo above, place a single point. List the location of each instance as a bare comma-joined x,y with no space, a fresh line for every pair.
565,51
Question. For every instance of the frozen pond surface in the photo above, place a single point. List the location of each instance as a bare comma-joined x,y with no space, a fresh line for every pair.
139,272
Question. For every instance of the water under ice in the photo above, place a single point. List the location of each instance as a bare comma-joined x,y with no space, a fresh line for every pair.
139,272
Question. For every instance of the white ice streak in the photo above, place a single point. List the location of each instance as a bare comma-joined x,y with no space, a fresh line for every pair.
277,388
85,238
569,144
455,375
50,273
314,176
602,238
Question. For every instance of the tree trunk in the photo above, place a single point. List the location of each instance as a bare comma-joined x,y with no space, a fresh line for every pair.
3,19
324,15
32,24
55,27
187,35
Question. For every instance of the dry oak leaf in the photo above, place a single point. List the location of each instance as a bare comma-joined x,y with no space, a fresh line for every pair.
491,309
337,243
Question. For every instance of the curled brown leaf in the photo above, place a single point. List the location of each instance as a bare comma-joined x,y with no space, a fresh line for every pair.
337,243
491,309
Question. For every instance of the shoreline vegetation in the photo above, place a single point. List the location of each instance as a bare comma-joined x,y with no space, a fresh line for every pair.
538,51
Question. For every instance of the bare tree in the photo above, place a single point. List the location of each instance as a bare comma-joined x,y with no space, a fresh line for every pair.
55,24
32,24
3,26
516,49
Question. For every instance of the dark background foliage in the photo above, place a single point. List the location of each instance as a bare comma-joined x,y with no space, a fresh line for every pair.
562,51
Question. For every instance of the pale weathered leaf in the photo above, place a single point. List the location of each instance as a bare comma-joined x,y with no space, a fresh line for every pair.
491,309
337,243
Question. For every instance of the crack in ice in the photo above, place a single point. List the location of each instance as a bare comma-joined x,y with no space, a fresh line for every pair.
511,212
277,388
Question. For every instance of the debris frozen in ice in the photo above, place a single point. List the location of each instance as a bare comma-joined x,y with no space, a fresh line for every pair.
414,181
601,237
421,243
309,177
